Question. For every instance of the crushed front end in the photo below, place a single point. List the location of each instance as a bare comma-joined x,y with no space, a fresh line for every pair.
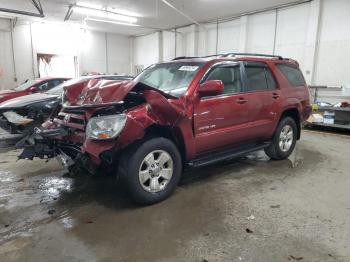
84,133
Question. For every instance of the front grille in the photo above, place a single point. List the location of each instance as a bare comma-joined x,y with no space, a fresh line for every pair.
74,120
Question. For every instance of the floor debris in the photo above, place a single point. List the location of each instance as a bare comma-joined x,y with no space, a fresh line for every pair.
291,257
248,230
51,211
275,206
251,217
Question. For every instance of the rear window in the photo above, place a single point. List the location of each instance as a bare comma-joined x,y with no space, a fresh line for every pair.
293,74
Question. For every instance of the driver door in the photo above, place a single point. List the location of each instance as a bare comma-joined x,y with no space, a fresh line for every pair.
219,121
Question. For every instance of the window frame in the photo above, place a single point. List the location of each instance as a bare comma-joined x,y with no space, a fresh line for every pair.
266,68
228,64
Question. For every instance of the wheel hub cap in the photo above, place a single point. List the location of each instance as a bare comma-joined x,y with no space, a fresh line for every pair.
286,138
156,171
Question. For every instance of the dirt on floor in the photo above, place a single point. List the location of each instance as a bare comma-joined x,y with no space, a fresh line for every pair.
247,209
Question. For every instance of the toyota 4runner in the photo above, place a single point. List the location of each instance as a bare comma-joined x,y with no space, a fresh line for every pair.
189,112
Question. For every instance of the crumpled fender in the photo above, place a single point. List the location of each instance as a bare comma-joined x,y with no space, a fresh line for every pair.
167,112
158,110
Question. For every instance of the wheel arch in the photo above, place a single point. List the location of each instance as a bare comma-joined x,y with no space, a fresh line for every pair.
293,113
172,133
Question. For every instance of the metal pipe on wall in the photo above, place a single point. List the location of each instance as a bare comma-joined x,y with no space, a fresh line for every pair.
13,52
275,33
32,48
317,43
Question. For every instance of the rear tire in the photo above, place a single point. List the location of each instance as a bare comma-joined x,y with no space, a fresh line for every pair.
284,140
151,170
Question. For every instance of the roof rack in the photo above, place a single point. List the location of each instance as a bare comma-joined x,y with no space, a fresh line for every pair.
252,54
230,55
192,57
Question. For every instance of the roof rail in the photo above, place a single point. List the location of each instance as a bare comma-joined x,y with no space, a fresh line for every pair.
191,57
230,55
252,54
184,57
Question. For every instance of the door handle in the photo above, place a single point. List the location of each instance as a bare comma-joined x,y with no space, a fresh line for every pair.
241,100
275,96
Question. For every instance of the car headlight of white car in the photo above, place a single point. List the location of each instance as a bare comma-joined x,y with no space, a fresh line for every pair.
105,127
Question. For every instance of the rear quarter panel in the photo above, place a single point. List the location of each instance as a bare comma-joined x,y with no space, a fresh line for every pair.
292,97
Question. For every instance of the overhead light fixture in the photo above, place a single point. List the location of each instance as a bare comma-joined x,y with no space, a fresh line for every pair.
99,11
110,22
89,5
122,12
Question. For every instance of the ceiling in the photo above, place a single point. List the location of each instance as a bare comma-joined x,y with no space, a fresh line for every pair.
151,14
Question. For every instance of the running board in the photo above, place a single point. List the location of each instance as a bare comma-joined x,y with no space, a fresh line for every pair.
226,155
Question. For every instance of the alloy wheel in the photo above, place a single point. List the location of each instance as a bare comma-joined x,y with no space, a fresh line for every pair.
156,171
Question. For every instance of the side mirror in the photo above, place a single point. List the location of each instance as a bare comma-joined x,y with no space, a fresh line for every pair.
211,88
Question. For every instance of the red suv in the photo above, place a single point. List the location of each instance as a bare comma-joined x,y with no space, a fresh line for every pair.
189,112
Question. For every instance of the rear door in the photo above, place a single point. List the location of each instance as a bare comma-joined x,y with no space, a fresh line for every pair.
219,121
264,98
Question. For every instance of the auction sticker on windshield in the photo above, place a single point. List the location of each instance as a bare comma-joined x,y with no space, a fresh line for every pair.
188,68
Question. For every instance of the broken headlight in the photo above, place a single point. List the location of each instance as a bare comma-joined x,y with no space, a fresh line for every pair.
105,127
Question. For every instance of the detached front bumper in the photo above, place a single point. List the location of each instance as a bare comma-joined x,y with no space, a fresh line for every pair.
38,144
4,124
15,123
50,143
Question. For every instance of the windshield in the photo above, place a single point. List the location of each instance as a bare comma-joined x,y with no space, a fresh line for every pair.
26,85
171,78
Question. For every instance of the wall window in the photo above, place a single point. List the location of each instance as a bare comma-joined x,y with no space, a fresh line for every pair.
293,74
230,77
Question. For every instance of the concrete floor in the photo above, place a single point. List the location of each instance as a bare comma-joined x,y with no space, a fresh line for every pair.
250,209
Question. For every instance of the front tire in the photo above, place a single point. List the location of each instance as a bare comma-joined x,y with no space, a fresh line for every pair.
151,170
284,140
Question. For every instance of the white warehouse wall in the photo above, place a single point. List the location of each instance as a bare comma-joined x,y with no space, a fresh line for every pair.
333,62
95,51
316,34
146,50
229,36
7,75
261,33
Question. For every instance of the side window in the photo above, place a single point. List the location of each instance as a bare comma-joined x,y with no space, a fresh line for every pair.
256,80
230,77
293,74
271,82
56,82
43,87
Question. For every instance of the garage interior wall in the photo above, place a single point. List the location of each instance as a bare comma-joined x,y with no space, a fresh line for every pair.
94,51
308,32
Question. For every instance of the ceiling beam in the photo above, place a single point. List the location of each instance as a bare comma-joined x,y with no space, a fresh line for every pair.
19,12
37,5
180,12
69,12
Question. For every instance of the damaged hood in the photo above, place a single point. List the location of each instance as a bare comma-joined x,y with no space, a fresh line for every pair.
27,100
96,92
99,93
